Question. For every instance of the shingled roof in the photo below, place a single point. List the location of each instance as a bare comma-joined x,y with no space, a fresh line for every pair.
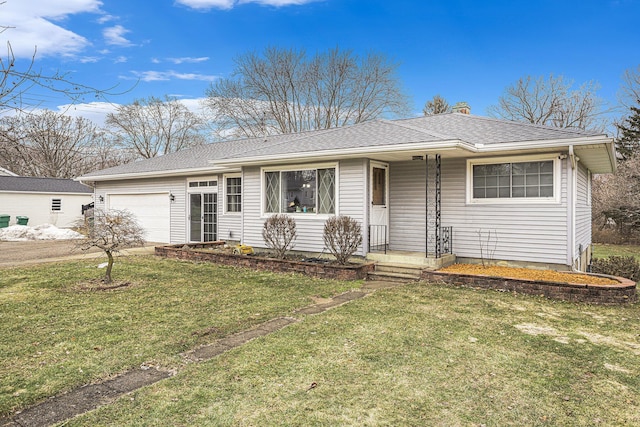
26,184
442,128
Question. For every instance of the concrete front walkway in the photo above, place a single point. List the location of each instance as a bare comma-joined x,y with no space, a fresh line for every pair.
63,407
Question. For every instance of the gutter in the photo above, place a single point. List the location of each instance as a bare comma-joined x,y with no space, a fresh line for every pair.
573,160
154,174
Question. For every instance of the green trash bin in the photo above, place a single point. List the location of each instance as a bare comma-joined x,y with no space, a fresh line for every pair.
4,221
22,220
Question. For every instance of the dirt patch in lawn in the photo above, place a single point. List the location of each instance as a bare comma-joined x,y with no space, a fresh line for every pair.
528,274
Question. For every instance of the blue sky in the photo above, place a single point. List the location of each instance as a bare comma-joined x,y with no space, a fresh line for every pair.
463,50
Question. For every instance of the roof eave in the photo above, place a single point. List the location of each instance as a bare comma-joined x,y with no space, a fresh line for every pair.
154,174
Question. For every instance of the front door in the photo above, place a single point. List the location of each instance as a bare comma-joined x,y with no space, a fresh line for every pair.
379,212
203,217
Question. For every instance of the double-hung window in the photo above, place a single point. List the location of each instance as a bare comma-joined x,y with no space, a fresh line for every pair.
233,194
304,191
526,181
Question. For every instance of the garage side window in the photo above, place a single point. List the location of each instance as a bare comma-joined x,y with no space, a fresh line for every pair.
56,205
234,194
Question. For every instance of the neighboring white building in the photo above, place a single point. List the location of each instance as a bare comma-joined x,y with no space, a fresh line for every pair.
6,172
427,185
43,200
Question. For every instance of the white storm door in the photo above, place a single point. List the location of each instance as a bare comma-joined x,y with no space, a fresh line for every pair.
203,217
379,196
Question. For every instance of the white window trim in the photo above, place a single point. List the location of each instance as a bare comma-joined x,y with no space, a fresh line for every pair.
203,189
224,193
297,167
557,180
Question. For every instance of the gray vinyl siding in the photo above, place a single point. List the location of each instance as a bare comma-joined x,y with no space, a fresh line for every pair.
352,194
351,185
583,210
520,232
229,224
175,186
407,206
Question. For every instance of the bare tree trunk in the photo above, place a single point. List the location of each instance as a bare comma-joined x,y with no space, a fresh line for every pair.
107,274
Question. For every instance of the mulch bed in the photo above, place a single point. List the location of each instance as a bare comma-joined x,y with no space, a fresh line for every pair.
529,274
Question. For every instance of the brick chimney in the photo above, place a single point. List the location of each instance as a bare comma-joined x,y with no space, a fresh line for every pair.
461,107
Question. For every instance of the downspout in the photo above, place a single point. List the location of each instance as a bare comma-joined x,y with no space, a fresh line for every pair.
573,159
242,203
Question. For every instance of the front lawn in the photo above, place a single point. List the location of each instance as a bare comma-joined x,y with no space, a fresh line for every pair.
57,332
414,355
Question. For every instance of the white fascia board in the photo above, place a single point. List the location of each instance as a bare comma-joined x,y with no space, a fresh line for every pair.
155,174
49,193
546,143
350,152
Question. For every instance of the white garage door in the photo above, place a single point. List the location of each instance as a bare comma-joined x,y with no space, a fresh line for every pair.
151,211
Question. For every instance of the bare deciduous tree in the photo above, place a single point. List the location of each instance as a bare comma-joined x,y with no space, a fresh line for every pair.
153,126
629,94
342,235
279,233
50,144
551,102
110,231
285,91
436,105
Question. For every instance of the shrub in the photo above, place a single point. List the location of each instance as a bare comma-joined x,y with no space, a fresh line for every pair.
279,233
342,236
622,266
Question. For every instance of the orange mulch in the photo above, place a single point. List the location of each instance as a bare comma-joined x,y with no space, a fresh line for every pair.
529,274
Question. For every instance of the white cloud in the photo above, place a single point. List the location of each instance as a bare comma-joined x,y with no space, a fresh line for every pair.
115,35
120,59
229,4
105,18
156,76
32,26
208,4
188,60
89,59
97,111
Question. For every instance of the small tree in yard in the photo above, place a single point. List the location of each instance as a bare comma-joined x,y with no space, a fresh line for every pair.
279,233
342,236
110,231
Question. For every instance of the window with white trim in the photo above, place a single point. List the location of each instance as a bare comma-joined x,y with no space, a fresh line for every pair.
533,180
56,205
196,184
233,194
304,191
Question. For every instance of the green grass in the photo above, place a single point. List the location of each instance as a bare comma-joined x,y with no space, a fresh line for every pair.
414,355
55,336
602,250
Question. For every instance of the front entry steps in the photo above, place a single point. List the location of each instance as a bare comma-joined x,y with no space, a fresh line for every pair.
395,272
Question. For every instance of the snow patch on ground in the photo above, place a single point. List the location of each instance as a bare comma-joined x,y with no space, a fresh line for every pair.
18,233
